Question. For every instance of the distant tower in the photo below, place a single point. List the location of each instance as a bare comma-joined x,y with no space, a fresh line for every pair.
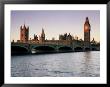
87,28
35,37
24,34
42,37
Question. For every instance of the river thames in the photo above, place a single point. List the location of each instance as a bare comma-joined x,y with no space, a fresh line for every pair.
74,64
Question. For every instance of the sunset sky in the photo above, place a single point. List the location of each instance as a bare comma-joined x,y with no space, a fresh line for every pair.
55,22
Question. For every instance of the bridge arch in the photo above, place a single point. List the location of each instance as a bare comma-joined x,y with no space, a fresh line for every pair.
19,50
43,49
65,48
87,49
78,49
94,49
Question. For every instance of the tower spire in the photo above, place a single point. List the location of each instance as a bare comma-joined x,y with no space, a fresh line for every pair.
42,30
42,37
87,19
24,33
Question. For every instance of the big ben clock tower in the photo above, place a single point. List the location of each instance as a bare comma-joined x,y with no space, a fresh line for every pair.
87,29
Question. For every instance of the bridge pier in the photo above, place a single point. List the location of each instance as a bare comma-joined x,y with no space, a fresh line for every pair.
73,49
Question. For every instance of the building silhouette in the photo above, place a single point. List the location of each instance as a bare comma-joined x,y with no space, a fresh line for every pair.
24,33
87,28
42,37
35,38
65,39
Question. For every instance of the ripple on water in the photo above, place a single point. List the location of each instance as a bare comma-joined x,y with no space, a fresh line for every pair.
79,64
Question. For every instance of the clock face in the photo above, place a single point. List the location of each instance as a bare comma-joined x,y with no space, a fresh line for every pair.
86,28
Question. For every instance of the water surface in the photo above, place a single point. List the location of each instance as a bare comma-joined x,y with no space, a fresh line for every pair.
74,64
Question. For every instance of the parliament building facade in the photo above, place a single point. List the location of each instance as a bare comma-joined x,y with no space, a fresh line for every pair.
66,39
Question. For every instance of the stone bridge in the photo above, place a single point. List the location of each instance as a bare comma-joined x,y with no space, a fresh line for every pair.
29,47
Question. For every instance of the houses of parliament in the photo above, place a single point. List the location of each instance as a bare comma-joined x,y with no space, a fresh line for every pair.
65,39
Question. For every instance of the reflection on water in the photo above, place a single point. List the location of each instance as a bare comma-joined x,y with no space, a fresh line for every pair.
74,64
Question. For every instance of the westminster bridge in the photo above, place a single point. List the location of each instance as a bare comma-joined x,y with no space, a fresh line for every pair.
18,47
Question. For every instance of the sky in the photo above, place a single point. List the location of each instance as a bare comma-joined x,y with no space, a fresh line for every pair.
55,22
